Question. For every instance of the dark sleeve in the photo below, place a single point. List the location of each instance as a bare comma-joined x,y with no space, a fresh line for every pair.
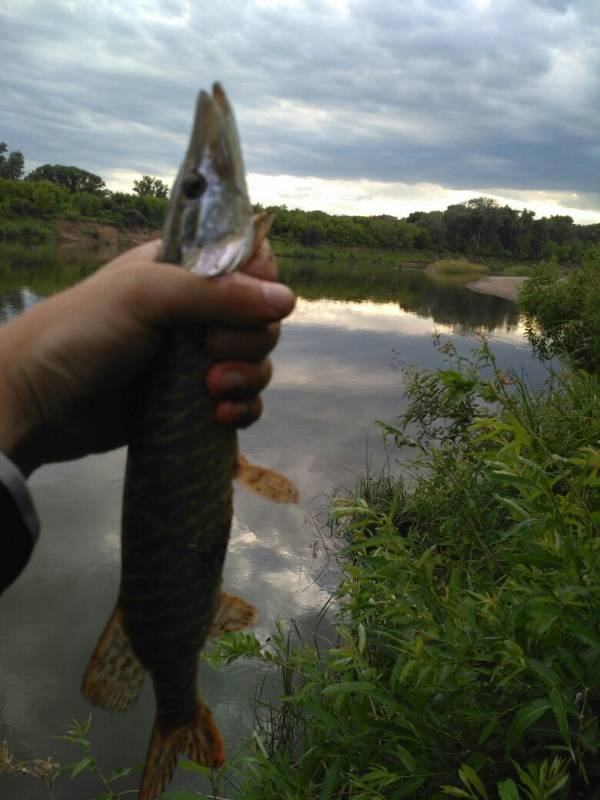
19,525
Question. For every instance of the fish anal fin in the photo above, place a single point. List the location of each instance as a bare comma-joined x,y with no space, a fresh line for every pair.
115,675
233,614
266,482
200,741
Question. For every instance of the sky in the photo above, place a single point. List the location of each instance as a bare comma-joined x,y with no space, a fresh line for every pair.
348,106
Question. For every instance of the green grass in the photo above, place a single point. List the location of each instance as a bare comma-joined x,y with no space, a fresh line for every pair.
457,266
330,252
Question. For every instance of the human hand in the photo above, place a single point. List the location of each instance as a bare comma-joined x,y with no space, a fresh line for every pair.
66,364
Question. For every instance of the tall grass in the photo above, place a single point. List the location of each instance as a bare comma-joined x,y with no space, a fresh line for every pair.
469,644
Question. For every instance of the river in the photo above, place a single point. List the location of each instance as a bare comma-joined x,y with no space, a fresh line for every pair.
339,367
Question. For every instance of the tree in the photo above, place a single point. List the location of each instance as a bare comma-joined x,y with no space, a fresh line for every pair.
148,186
13,165
72,178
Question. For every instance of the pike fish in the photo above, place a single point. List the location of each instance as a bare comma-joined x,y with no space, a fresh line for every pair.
177,504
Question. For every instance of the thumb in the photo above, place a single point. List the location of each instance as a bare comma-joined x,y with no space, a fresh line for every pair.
166,293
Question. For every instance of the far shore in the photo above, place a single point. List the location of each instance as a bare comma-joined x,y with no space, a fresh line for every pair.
97,233
498,285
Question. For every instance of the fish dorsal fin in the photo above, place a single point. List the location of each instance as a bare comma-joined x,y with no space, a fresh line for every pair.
265,482
233,614
115,675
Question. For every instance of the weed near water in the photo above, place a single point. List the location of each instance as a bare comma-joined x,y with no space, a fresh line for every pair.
469,646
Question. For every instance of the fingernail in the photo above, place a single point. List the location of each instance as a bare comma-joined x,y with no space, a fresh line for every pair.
279,297
232,380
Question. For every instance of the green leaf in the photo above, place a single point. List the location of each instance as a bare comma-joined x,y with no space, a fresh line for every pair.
345,687
508,790
182,794
362,638
472,780
191,766
523,719
488,729
330,781
407,759
122,771
80,766
560,712
454,791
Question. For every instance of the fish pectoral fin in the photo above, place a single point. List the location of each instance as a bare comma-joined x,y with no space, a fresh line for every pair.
233,614
200,741
266,482
262,225
115,675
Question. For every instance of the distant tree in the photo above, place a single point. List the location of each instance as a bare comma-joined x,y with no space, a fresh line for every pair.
148,186
13,165
72,178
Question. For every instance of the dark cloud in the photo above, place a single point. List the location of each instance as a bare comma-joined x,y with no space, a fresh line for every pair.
458,93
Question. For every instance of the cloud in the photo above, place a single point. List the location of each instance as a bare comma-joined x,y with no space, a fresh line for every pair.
463,95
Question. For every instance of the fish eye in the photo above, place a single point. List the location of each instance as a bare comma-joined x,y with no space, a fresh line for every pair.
194,185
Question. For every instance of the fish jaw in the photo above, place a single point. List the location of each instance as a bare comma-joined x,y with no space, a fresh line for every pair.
210,224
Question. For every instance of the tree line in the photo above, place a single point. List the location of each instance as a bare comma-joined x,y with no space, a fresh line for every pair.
57,190
480,227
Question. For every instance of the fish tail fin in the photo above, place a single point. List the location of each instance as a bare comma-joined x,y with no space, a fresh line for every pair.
115,675
200,741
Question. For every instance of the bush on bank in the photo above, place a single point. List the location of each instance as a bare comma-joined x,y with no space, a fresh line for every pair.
563,313
31,202
469,643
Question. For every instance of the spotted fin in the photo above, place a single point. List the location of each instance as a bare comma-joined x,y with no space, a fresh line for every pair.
233,614
115,676
200,741
265,482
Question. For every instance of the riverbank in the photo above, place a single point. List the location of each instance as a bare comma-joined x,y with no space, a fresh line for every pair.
97,233
498,286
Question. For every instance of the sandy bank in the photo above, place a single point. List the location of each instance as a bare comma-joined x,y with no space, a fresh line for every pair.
498,285
76,231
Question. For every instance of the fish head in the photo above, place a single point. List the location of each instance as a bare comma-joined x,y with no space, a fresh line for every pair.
210,227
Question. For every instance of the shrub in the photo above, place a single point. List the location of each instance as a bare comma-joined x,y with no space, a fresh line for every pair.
563,314
468,652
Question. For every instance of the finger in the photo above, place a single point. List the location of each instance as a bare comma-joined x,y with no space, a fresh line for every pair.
244,344
240,414
238,379
162,293
262,265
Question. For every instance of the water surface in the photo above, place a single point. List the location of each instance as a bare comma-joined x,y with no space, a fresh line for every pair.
337,369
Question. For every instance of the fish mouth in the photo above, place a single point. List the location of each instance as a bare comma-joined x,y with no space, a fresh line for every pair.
209,207
214,151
